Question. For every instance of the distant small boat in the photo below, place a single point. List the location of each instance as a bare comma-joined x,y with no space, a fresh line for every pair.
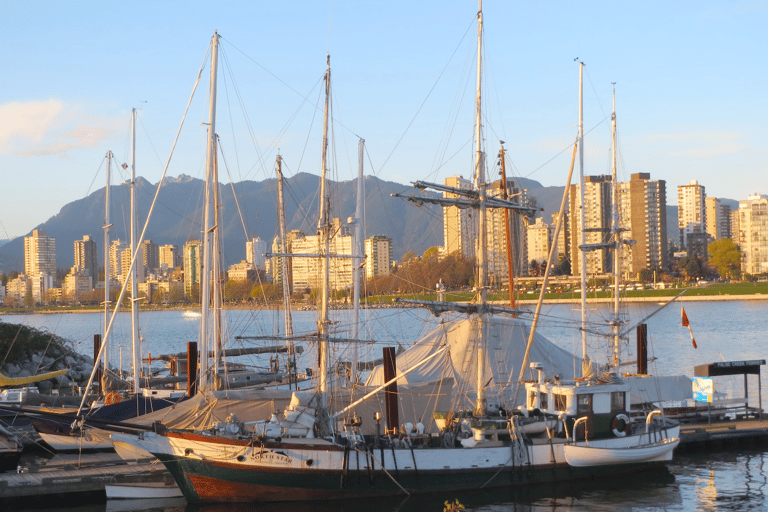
148,490
191,314
583,455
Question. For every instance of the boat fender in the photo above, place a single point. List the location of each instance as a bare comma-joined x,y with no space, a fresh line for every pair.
620,430
112,398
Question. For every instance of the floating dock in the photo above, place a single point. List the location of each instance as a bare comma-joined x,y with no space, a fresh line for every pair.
75,476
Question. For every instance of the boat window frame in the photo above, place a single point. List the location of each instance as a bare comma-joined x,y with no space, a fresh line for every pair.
561,402
615,406
584,403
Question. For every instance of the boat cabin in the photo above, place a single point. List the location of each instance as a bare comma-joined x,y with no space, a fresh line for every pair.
603,404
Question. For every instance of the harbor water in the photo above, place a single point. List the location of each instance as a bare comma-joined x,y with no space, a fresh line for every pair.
729,479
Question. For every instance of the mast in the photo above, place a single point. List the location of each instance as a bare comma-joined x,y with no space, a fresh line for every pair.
357,261
505,196
616,239
107,225
480,186
324,235
284,262
216,269
205,270
135,343
582,224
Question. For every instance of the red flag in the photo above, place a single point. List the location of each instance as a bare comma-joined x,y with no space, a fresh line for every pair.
688,325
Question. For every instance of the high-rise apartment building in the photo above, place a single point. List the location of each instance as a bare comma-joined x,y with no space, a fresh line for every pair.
691,212
643,217
496,238
753,234
306,270
597,220
169,257
116,249
40,263
39,253
150,256
254,252
539,241
276,263
86,257
459,224
378,256
193,261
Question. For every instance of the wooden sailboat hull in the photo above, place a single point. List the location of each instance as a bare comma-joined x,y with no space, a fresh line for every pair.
213,469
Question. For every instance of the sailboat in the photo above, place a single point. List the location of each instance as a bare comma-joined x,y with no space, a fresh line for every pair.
323,450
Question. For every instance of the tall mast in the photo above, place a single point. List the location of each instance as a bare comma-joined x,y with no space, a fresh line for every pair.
216,269
505,195
324,235
135,343
205,271
107,225
358,260
480,186
616,239
582,224
284,263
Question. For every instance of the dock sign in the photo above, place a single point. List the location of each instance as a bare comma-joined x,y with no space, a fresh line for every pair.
703,389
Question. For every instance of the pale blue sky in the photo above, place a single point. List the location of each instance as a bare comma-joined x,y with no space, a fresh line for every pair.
691,90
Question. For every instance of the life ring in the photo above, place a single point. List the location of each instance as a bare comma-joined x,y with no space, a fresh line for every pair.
623,431
112,398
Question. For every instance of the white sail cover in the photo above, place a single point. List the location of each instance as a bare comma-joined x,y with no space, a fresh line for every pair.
506,339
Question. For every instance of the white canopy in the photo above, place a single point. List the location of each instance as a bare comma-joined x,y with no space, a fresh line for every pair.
506,339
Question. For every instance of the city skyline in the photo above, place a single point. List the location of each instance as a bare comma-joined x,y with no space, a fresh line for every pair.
689,99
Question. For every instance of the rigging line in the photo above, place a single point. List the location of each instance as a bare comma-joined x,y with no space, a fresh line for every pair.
596,96
232,184
318,107
431,90
563,150
144,230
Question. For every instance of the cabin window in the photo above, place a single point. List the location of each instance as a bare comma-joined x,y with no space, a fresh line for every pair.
584,406
532,400
561,402
618,402
543,401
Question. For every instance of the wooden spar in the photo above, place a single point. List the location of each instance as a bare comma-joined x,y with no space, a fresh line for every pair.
510,266
552,252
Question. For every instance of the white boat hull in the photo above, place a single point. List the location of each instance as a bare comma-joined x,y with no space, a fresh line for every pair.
584,455
142,491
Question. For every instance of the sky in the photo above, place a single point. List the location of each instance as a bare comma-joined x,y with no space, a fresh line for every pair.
690,91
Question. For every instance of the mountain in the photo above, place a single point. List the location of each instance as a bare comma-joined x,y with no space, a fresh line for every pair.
177,216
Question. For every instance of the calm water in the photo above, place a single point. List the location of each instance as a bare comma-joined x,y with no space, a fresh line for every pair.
724,331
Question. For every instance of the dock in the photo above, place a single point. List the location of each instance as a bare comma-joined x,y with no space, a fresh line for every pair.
78,476
723,434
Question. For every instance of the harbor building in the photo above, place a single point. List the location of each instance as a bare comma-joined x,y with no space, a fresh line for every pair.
276,262
691,215
378,256
643,218
753,234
